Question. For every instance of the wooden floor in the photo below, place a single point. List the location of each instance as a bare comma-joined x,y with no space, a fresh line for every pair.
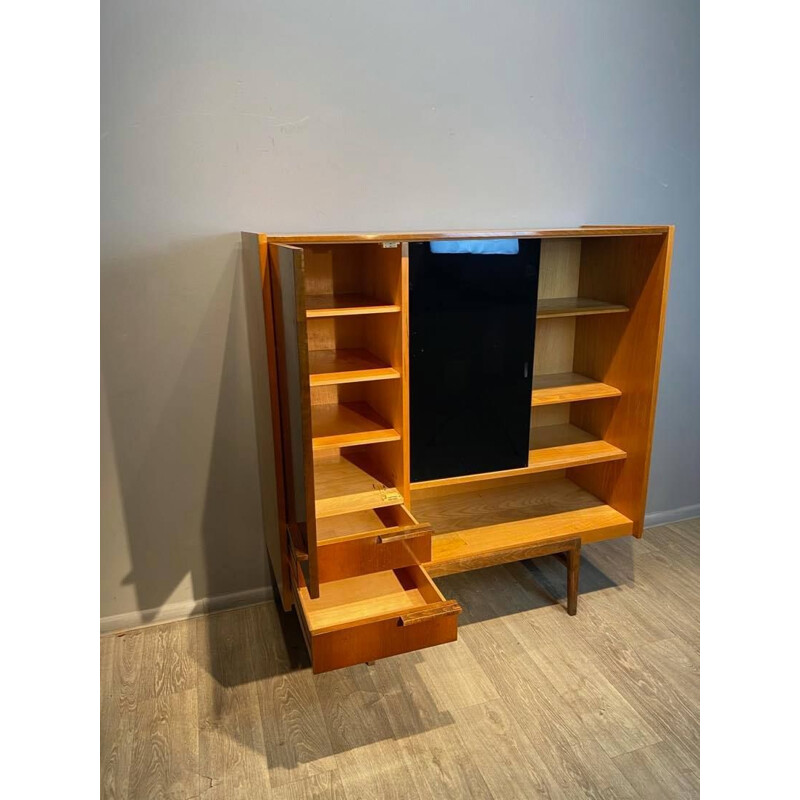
529,702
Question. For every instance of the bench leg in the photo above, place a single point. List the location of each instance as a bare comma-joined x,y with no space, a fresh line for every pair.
573,573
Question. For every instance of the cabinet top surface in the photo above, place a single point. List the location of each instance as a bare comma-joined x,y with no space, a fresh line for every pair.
411,236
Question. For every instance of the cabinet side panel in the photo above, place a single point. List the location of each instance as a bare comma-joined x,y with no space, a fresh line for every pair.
266,410
624,351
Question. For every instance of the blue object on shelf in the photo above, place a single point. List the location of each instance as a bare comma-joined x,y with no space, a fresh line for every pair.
481,247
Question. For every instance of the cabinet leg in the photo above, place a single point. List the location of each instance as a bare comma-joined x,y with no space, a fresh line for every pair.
573,573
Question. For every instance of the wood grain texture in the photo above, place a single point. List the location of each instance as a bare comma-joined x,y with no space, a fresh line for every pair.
554,345
562,446
229,710
365,524
368,617
349,280
576,307
568,387
372,420
348,559
623,351
553,447
585,232
349,481
353,599
346,424
347,366
559,268
503,754
478,527
342,305
527,700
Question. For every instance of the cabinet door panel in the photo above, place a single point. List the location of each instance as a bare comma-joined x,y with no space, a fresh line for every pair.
293,377
472,327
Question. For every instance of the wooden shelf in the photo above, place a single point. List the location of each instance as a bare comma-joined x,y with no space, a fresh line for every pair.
576,307
345,483
340,305
552,447
563,446
347,424
347,366
480,526
568,387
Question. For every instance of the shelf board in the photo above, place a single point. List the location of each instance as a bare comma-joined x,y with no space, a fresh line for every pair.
478,527
553,447
341,305
575,307
568,387
564,446
347,424
346,366
344,483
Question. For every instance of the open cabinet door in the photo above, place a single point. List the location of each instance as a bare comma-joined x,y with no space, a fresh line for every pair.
289,306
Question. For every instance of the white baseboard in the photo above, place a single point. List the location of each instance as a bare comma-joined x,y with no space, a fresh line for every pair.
171,612
670,516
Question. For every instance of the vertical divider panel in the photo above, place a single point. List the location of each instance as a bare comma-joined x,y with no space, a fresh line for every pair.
295,400
405,433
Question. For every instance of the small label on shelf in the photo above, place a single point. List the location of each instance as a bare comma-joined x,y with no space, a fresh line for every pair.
390,244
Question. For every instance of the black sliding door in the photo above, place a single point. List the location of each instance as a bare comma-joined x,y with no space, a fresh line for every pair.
472,325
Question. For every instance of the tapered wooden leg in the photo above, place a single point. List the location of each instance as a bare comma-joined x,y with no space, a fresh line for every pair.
573,573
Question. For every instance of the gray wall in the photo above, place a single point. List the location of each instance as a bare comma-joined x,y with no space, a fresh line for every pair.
228,115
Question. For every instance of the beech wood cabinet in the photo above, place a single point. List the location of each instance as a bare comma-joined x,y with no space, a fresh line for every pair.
425,414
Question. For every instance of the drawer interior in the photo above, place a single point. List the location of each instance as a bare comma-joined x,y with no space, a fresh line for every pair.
363,598
363,524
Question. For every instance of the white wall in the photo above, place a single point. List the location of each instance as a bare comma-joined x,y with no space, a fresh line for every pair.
227,115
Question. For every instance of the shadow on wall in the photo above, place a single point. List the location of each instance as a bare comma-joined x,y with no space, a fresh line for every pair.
175,369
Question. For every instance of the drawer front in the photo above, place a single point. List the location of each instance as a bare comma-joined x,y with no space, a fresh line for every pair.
380,639
358,544
376,554
361,619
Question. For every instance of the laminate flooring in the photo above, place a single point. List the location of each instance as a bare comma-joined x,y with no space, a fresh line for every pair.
528,703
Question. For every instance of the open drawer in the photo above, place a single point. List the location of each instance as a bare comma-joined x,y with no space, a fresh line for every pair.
363,542
371,541
373,616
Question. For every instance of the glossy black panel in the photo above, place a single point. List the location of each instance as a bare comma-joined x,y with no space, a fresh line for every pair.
472,327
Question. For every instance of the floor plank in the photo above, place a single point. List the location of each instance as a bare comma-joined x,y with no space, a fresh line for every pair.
232,751
502,753
529,702
656,772
320,786
164,758
426,731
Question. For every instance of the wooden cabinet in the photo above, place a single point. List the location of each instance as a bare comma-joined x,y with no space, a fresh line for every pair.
550,364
